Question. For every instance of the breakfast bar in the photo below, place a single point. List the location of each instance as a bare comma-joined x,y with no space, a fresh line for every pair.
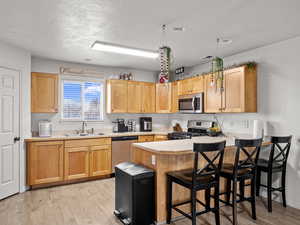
167,156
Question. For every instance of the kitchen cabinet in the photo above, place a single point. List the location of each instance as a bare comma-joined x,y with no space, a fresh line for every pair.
239,94
44,93
116,96
146,138
45,162
174,97
76,163
100,160
160,137
212,98
192,85
134,102
148,97
164,98
87,158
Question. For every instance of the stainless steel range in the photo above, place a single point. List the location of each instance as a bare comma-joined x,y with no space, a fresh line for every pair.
195,128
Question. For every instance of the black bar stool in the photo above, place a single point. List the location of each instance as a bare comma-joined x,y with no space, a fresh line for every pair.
276,164
240,171
197,179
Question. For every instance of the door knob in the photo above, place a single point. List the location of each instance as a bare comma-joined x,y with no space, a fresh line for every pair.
16,139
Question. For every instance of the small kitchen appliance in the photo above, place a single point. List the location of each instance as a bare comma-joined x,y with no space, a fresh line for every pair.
45,128
191,103
119,126
146,124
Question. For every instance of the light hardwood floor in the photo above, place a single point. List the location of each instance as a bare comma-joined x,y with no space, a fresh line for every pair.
92,203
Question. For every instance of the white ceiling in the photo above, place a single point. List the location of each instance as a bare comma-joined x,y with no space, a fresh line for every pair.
65,29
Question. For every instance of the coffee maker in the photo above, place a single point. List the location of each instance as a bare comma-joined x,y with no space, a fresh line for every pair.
145,123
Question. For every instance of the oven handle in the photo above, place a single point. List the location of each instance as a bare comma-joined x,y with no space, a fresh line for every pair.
193,103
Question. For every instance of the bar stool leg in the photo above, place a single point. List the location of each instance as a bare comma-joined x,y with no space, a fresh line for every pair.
242,189
169,200
228,190
269,189
253,200
193,207
217,209
283,176
234,203
207,199
258,182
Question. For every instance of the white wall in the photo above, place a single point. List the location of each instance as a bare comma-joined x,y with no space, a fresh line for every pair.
278,101
19,59
52,66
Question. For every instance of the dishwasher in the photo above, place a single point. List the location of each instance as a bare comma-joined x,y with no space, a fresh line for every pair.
121,149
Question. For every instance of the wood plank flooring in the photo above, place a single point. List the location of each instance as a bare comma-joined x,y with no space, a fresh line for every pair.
92,203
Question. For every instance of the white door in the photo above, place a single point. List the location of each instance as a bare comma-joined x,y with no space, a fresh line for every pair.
9,130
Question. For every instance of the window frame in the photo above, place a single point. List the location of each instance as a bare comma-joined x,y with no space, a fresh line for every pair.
81,80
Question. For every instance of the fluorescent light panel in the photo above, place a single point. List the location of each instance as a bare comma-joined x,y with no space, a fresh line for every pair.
106,47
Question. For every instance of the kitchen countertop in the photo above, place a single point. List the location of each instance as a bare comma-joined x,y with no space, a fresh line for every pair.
186,146
105,135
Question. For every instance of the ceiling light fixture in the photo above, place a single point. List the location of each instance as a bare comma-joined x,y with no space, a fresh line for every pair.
106,47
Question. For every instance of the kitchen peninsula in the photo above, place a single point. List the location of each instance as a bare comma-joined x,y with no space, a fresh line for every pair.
175,155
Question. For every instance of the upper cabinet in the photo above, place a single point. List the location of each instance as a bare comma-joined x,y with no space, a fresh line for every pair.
44,93
148,97
116,96
164,98
191,85
134,102
239,95
175,93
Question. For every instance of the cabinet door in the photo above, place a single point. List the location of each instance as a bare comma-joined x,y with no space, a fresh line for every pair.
160,137
197,84
175,97
134,103
45,162
44,93
116,96
148,97
185,87
234,95
76,163
100,160
213,98
163,98
146,138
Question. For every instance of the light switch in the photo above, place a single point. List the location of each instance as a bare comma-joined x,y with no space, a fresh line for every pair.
153,160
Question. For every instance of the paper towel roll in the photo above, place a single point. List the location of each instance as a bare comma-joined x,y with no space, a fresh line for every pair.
258,129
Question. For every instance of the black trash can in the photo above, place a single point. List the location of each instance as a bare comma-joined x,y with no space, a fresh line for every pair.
134,194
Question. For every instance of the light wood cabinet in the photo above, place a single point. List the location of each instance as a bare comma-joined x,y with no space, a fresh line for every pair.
160,137
44,93
45,162
174,97
134,102
76,163
146,138
148,97
212,98
163,98
116,96
100,160
239,95
192,85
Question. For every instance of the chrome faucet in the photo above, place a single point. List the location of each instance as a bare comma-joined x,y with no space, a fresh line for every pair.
84,125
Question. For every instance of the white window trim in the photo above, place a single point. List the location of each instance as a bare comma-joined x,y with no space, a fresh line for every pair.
80,79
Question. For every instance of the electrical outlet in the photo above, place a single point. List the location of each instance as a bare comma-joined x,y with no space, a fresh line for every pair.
153,160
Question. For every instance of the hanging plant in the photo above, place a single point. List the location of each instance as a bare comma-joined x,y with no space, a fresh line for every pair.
217,75
165,62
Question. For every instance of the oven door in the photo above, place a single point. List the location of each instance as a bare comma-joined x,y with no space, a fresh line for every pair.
191,103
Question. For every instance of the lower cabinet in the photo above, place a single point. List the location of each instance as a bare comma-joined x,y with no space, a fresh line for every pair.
45,162
146,138
76,163
160,137
55,161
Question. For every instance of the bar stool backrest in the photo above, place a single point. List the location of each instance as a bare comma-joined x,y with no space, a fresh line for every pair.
280,150
250,148
213,154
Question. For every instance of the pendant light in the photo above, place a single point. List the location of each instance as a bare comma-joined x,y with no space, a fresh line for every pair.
217,71
165,58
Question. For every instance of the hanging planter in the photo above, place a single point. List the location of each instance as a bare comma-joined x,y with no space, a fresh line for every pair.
217,72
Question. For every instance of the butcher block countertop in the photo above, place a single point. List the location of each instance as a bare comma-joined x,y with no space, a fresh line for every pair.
186,146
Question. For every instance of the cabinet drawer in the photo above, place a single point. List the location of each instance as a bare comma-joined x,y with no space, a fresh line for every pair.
87,142
146,138
160,138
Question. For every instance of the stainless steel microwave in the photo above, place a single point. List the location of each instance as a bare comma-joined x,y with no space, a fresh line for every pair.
191,103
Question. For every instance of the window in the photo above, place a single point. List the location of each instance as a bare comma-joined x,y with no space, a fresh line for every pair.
82,100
